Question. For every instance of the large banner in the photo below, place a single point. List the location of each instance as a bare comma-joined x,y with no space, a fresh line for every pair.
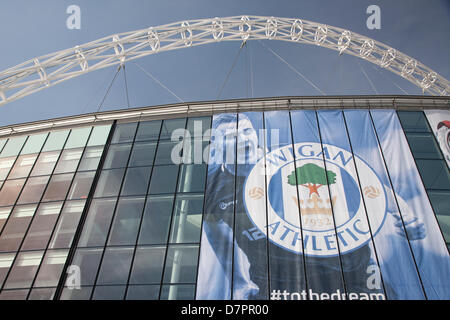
440,125
317,205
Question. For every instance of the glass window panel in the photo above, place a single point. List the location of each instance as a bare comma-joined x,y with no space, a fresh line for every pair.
84,293
178,292
81,185
42,226
45,163
170,125
78,138
115,266
136,181
42,294
16,227
444,223
97,223
143,292
413,121
148,130
126,221
109,183
181,264
4,214
99,135
91,158
109,293
58,187
33,190
23,166
88,261
13,147
34,143
67,224
423,145
6,260
24,270
198,126
5,166
440,200
2,144
10,191
68,161
148,265
156,220
51,268
14,294
124,132
164,152
143,154
435,174
117,156
164,179
187,219
56,140
192,178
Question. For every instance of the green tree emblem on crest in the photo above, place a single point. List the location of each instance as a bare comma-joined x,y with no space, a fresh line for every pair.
312,177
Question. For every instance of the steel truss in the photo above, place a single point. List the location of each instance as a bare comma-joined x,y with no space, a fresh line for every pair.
45,71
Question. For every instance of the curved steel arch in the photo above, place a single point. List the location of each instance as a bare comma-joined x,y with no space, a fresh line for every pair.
39,73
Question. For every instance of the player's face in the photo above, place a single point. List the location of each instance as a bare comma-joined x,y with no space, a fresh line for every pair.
247,143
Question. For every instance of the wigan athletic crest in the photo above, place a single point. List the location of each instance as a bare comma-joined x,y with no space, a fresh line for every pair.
318,189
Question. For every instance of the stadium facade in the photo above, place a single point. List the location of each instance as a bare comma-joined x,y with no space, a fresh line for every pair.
279,198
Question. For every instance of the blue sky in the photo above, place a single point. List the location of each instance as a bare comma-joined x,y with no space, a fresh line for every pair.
32,28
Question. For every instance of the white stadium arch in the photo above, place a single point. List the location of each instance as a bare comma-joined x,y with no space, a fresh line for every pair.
45,71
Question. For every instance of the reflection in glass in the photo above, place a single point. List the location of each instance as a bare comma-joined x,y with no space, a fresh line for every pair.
23,166
423,145
58,187
148,265
84,293
34,143
51,268
192,178
13,146
14,294
78,138
178,292
156,220
4,214
413,121
124,132
164,179
68,161
148,130
108,184
97,223
143,292
117,156
5,166
67,224
10,191
99,135
6,260
42,294
115,266
187,219
42,226
88,261
143,154
170,125
16,227
126,221
91,158
45,163
136,181
81,185
181,264
435,174
164,152
109,293
56,140
32,192
24,270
